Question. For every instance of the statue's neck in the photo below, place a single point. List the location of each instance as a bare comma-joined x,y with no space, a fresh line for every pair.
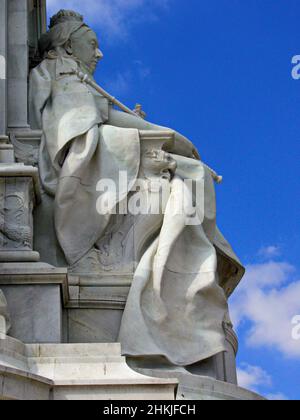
60,52
84,68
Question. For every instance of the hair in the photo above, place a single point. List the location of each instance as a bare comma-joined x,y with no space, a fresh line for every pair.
62,26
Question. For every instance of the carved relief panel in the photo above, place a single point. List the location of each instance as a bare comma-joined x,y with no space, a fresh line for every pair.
18,196
16,205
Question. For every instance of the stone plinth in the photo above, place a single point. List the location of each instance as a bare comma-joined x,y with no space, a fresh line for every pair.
19,385
97,371
74,372
198,388
36,295
96,306
6,150
95,311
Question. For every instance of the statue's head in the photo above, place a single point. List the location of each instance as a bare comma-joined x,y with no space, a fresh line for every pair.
157,163
69,35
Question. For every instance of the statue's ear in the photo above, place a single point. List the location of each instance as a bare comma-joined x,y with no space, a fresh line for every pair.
68,47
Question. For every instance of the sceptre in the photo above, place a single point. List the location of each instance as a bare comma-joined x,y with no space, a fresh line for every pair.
86,79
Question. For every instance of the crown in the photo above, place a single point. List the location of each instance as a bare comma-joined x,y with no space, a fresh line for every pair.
65,16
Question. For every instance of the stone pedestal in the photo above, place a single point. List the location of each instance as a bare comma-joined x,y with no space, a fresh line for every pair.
96,307
36,295
198,388
74,372
97,371
94,314
19,192
6,151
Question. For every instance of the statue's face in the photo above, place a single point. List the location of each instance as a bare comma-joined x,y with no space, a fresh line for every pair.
85,47
159,163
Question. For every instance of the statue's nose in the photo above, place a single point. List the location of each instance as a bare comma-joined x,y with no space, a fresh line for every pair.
99,54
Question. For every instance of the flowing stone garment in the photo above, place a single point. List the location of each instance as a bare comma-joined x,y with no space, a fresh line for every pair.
77,151
176,307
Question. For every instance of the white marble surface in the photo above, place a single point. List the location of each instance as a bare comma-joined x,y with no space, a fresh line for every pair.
197,388
94,325
35,295
97,371
36,313
74,372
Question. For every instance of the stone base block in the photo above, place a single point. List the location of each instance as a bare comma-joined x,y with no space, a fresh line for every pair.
94,325
74,372
35,294
36,313
20,385
6,150
97,372
200,388
96,306
19,256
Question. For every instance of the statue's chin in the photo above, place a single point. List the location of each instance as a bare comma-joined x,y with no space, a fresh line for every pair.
92,68
88,69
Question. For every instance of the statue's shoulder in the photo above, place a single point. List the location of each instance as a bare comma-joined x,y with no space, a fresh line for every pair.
45,70
55,68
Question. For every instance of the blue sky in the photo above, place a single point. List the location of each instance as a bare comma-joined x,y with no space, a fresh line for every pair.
219,71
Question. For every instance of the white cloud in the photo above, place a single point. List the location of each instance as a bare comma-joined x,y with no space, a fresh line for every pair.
268,298
277,397
114,17
255,378
269,252
251,377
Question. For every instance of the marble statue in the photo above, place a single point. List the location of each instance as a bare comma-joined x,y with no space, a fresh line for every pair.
176,307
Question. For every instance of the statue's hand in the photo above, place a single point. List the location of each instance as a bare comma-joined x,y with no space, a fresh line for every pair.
139,111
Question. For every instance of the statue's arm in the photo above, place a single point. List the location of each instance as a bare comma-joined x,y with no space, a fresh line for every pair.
182,145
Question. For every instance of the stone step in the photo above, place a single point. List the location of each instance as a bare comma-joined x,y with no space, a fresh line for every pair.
73,350
76,371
